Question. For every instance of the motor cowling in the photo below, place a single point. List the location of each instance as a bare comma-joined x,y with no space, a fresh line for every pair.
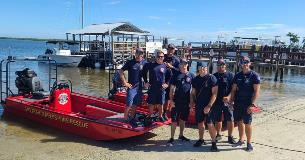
60,97
27,82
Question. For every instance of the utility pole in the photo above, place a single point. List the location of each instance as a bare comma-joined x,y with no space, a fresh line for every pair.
82,14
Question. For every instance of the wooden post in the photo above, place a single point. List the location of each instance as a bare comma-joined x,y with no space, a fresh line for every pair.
237,60
210,62
276,66
282,74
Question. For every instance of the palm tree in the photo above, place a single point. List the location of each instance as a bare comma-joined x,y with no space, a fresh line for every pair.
293,39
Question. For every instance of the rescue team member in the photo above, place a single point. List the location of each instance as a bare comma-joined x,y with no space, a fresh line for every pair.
134,84
159,77
203,96
172,63
221,107
245,91
179,95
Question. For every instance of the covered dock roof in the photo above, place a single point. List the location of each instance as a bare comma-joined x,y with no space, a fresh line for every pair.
110,28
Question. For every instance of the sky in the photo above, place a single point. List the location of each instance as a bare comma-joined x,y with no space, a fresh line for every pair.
192,20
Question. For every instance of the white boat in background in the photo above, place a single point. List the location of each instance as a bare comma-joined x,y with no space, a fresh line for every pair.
62,54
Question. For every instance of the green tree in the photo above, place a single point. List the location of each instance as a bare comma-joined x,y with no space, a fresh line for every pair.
294,39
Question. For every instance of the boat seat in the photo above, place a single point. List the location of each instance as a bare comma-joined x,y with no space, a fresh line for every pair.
40,94
97,112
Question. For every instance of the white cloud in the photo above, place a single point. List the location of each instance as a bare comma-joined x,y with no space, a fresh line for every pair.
171,9
114,2
154,17
262,27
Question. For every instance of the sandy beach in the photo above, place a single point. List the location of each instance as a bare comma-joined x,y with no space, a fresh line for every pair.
279,133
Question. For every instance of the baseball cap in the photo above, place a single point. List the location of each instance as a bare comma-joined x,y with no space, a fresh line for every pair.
139,51
172,46
183,61
221,62
201,65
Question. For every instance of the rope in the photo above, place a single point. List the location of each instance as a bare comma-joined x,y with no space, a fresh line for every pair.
283,117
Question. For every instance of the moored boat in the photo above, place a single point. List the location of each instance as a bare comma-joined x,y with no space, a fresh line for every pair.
62,54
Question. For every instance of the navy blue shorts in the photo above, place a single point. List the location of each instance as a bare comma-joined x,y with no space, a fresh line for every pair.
199,114
220,109
180,111
134,96
156,96
240,113
167,93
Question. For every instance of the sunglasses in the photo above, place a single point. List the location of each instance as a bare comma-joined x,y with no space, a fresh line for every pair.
244,62
160,56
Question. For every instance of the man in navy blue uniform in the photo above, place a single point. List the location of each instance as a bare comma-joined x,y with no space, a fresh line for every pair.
221,105
203,95
172,62
134,83
180,89
159,77
245,91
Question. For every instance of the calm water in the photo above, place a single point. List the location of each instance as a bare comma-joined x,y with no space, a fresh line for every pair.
95,81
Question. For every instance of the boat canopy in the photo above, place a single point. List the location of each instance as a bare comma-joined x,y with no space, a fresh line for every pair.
110,28
62,42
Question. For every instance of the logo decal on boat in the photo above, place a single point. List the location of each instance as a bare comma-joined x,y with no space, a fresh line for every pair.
63,98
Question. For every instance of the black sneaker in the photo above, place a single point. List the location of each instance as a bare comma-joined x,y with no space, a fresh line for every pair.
170,142
231,140
133,123
183,138
249,147
238,144
218,137
199,143
161,119
214,147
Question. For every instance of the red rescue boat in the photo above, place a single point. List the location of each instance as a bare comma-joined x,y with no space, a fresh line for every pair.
88,116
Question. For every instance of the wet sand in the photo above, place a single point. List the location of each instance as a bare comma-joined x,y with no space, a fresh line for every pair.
278,133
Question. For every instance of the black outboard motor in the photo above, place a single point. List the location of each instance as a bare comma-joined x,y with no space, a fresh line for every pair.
27,82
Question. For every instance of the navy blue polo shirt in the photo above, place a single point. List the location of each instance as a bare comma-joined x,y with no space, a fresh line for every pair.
183,83
173,60
158,74
203,86
224,82
134,70
245,83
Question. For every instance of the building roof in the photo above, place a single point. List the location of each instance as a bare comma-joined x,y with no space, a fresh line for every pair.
113,28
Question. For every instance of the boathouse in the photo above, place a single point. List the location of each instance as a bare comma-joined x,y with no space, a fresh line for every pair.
108,43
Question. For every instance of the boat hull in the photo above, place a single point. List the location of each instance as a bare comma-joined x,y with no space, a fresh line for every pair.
63,60
76,123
